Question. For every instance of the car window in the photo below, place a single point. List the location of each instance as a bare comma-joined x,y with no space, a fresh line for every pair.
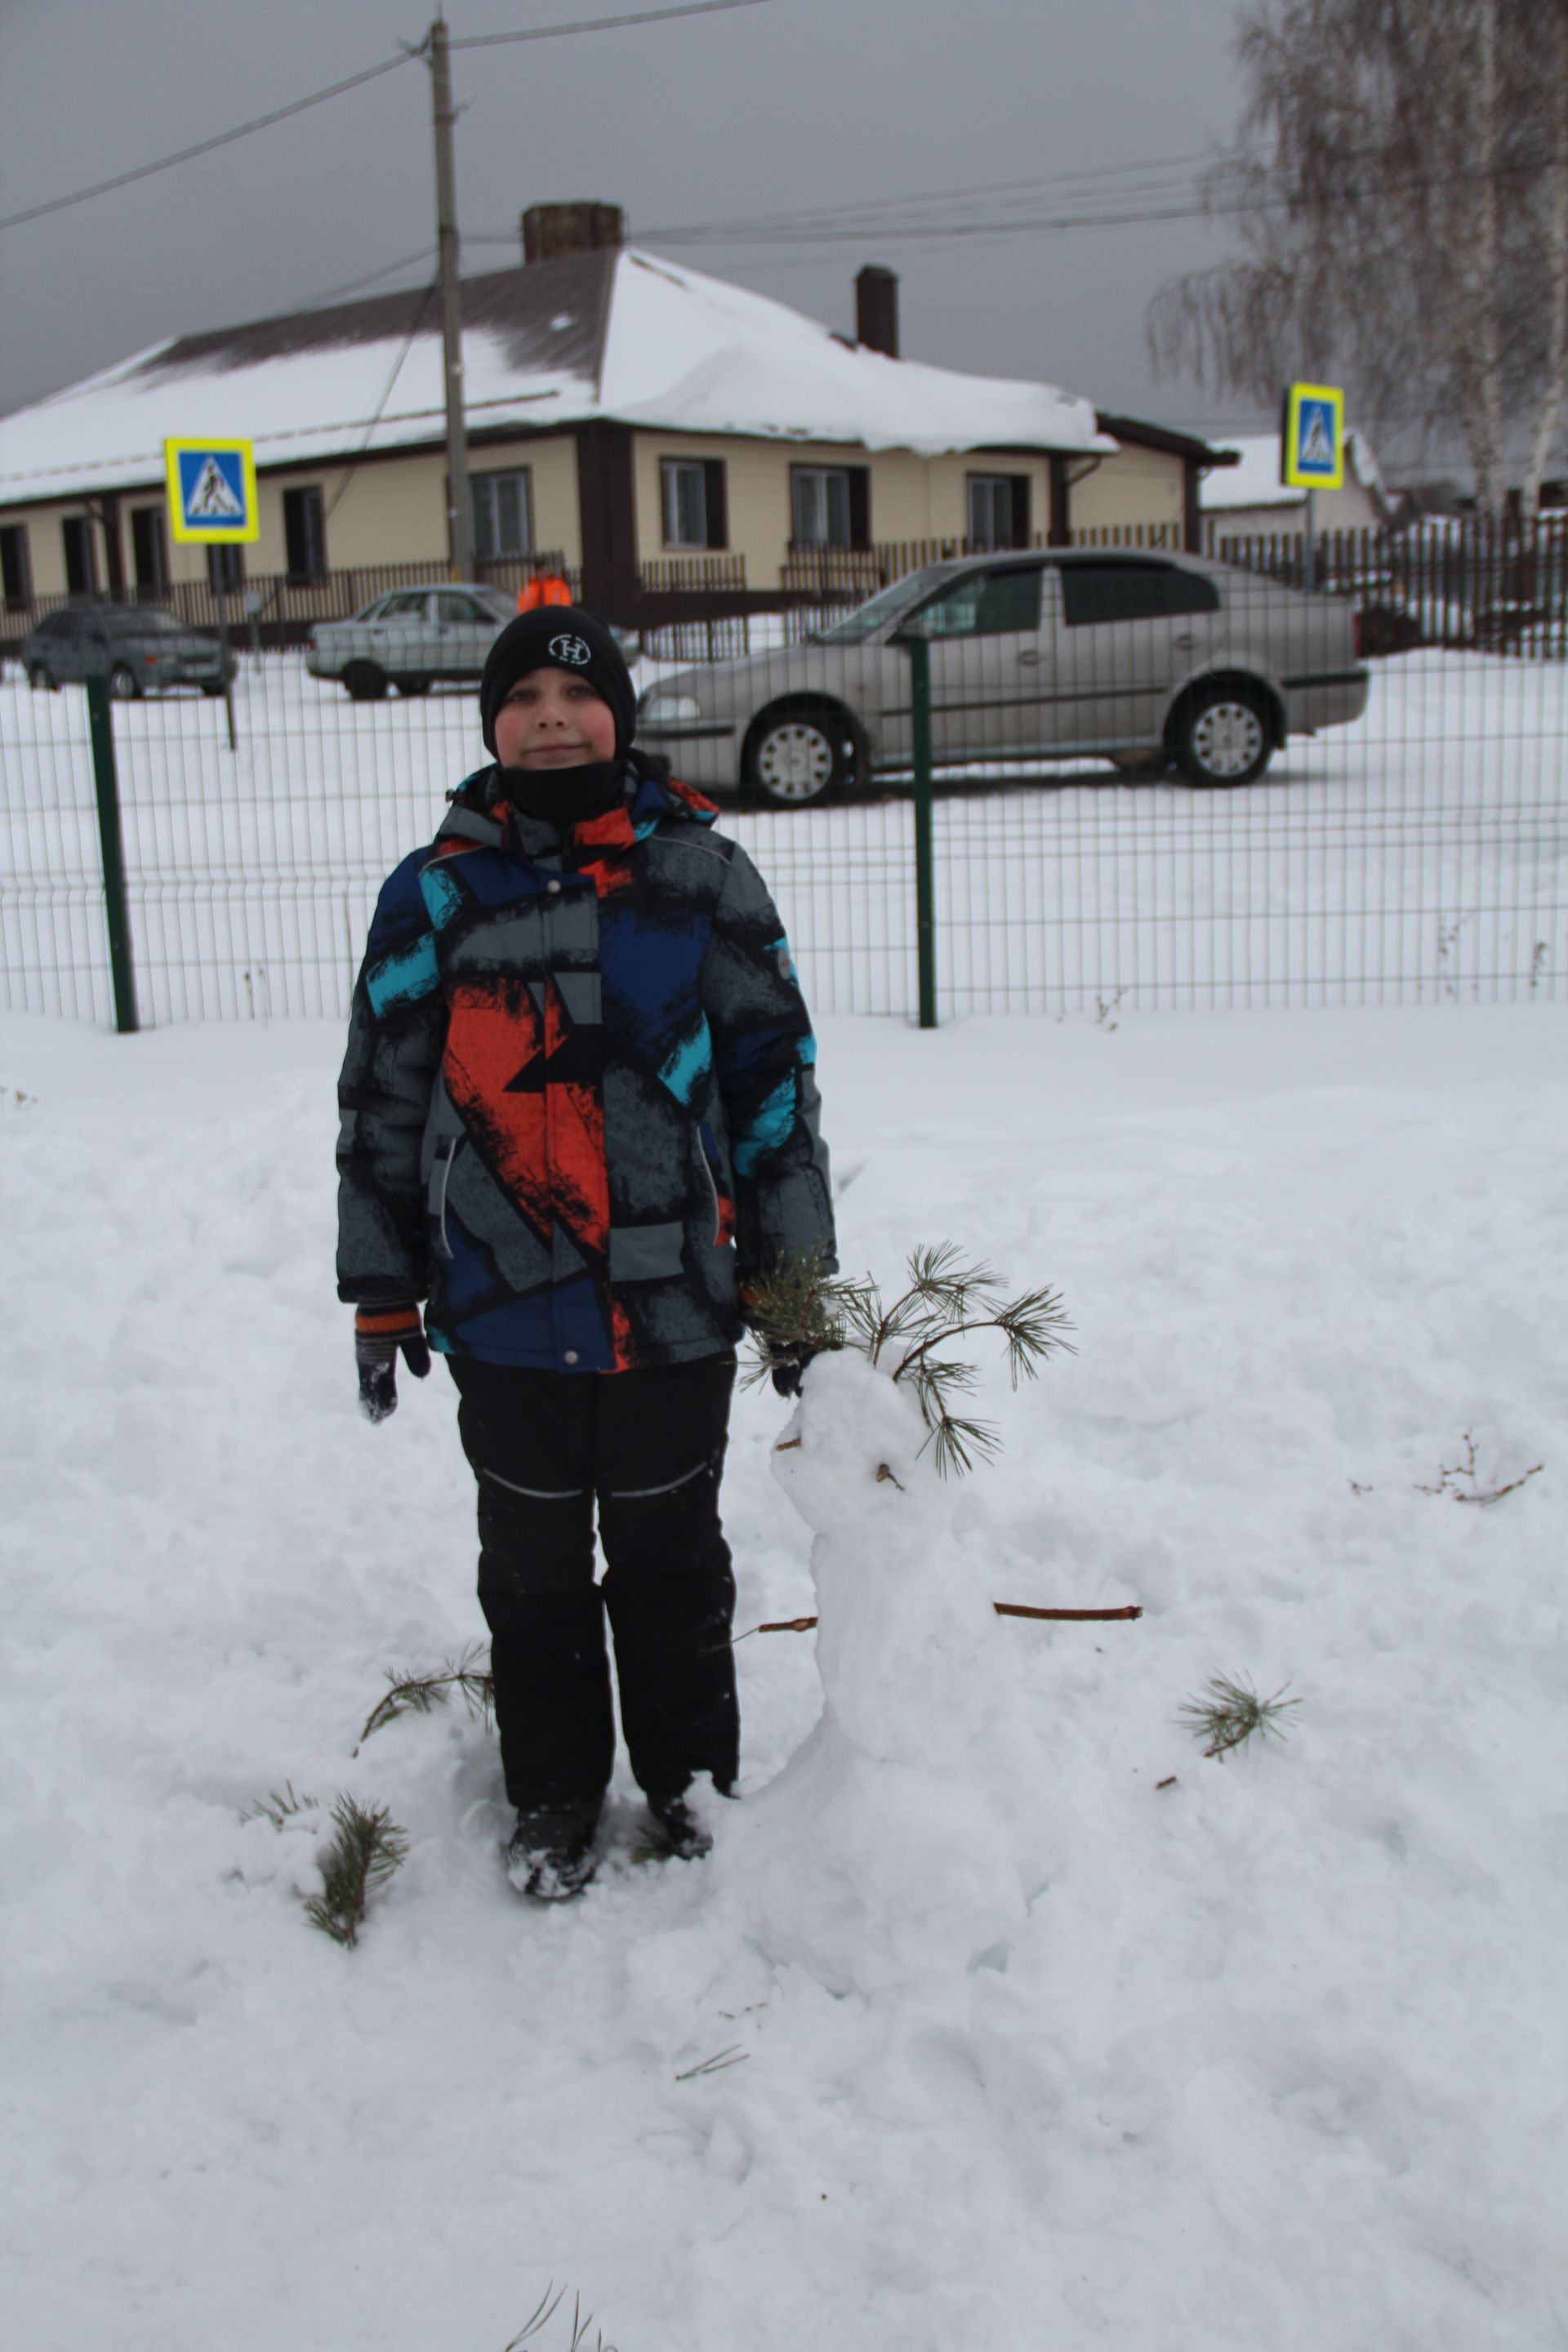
58,625
986,604
1128,590
147,621
463,609
373,611
409,605
498,607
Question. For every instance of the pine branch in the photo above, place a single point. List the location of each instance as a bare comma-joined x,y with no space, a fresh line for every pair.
1230,1712
1127,1614
422,1694
369,1846
278,1808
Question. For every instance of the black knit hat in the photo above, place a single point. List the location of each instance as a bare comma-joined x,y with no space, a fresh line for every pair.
559,636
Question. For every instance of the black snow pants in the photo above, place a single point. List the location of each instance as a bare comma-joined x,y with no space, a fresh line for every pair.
649,1447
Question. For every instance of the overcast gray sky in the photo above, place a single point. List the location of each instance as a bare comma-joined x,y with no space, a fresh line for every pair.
782,107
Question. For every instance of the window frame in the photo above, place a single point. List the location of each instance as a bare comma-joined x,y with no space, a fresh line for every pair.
1016,487
77,532
857,505
712,530
304,534
15,567
482,489
149,534
1075,578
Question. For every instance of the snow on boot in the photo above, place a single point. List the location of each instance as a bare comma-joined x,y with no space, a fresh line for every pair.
552,1851
680,1829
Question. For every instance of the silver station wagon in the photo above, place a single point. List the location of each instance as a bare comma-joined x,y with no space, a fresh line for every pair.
409,637
1142,659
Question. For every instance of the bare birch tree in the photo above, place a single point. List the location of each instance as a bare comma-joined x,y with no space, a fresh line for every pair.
1404,216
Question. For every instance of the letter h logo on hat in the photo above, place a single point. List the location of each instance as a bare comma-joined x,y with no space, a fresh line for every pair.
569,651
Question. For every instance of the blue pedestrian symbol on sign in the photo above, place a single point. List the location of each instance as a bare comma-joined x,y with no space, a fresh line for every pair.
1315,447
211,490
210,486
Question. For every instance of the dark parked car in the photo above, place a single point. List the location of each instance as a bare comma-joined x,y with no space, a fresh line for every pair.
140,648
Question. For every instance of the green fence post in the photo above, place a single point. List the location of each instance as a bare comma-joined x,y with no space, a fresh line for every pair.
106,787
925,878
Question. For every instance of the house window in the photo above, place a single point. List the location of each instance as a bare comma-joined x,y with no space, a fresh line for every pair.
82,556
304,534
16,570
150,547
226,568
503,515
829,505
998,510
692,500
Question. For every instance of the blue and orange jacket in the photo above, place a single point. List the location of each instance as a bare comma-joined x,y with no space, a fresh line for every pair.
579,1107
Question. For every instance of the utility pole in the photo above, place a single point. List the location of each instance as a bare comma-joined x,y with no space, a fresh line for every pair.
460,506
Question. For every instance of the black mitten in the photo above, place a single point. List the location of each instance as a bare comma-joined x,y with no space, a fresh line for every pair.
380,1335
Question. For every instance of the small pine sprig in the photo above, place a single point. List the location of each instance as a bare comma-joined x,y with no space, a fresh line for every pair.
278,1806
368,1847
799,1305
422,1694
1228,1711
544,2312
796,1308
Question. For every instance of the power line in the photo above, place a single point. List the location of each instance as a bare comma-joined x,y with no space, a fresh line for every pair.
356,81
206,146
606,24
335,293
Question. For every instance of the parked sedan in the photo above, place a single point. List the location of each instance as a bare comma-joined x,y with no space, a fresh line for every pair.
410,638
1140,658
140,648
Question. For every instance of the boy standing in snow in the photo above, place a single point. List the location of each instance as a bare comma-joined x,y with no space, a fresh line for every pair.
578,1114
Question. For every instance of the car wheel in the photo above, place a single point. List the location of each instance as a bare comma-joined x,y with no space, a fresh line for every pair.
796,758
122,683
1221,736
413,685
38,678
365,682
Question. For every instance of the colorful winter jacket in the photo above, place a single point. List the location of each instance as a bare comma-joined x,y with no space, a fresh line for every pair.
578,1103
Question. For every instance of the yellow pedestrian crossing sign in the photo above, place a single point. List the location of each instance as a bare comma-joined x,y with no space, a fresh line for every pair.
212,490
1312,444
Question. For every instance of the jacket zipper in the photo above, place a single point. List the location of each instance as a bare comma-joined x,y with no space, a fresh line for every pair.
443,1178
713,1188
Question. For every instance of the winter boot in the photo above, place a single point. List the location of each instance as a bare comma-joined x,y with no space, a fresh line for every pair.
680,1828
552,1851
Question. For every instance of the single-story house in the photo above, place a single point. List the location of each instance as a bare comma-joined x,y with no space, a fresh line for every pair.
1248,499
653,429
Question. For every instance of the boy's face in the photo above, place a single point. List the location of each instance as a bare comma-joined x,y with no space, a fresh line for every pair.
554,719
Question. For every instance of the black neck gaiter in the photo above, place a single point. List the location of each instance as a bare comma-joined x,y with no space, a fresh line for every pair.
566,796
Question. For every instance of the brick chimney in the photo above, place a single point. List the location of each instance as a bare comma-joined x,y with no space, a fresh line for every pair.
552,232
876,309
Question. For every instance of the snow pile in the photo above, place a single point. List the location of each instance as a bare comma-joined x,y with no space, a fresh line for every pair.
999,2015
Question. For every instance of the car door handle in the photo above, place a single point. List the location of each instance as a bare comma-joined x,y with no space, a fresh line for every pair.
1028,655
1187,639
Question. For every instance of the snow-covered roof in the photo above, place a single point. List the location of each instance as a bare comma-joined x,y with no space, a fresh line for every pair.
614,334
1255,482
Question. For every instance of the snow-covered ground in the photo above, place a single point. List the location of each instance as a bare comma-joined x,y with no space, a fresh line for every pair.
1031,2026
1419,855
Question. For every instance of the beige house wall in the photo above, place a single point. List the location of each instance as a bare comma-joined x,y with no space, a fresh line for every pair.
393,510
911,497
1349,508
1136,486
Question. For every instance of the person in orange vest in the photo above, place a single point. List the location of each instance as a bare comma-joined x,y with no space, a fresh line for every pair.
542,586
